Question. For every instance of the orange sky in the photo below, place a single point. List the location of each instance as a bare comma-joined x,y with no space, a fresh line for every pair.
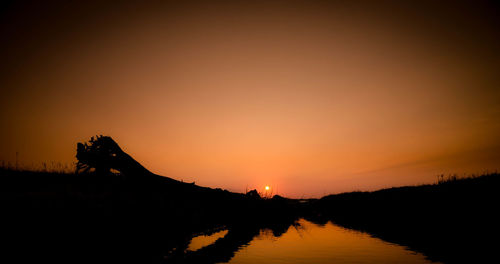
310,99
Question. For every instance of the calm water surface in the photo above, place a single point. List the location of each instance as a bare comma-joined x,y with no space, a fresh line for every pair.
311,243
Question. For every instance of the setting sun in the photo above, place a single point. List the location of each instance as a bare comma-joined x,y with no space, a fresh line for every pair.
267,188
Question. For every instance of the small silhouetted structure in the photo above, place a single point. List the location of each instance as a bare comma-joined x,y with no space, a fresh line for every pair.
254,194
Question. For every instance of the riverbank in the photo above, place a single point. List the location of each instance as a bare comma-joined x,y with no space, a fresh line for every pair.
452,221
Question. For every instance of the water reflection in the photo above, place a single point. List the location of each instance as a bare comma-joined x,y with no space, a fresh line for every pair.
202,241
300,242
329,243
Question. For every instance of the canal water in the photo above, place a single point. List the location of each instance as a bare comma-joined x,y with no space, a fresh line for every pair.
312,243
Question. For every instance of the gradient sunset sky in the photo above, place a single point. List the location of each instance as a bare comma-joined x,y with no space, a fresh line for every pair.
309,97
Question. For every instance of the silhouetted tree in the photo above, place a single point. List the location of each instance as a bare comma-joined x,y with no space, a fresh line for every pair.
101,154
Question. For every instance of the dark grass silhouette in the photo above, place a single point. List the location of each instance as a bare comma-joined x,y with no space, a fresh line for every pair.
114,210
452,221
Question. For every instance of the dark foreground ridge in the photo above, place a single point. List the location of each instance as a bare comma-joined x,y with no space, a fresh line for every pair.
113,210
